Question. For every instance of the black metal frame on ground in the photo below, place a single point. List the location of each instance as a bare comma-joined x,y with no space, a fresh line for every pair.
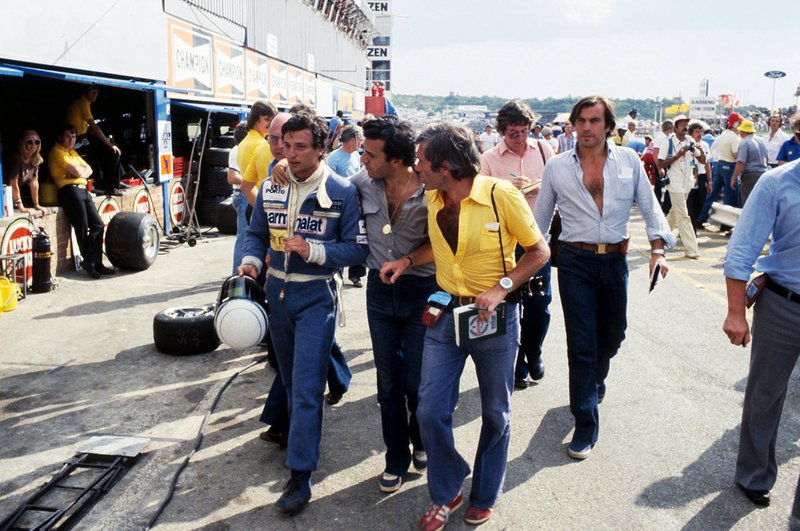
103,472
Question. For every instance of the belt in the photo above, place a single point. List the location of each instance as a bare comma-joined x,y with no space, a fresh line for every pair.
83,186
783,292
458,300
296,277
600,248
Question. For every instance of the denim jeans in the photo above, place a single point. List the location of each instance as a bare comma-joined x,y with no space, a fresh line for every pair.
394,313
720,180
534,323
240,205
594,295
442,365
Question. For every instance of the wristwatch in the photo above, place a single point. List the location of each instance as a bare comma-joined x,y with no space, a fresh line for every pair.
506,283
657,251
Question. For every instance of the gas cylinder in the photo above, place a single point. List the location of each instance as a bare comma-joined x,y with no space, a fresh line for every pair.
40,248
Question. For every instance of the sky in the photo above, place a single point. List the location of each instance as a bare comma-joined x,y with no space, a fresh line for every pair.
616,48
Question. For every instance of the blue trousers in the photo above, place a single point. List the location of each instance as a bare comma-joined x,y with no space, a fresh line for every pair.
442,365
240,205
394,312
594,297
302,327
720,180
276,406
534,323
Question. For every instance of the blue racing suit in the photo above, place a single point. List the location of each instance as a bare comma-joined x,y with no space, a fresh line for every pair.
302,295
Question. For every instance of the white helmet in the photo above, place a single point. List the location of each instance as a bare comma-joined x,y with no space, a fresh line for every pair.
240,318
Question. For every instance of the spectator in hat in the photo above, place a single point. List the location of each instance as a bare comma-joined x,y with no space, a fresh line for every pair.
676,156
725,148
751,160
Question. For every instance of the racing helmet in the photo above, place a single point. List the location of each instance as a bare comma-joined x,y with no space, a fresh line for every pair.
240,317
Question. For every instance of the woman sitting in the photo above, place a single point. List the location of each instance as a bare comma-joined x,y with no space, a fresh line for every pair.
25,170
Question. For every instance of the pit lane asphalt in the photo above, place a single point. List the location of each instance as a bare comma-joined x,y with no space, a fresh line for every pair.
79,362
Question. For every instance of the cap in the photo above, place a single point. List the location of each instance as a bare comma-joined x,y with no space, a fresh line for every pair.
680,118
733,118
746,127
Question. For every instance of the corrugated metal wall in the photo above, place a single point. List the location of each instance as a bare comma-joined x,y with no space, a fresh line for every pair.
300,31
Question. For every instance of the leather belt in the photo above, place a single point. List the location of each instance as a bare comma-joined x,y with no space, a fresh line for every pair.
458,300
600,248
783,292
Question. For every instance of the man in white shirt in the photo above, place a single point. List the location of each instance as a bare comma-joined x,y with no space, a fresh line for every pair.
488,139
676,157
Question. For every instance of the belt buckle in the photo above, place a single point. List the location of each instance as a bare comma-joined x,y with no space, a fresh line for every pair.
601,248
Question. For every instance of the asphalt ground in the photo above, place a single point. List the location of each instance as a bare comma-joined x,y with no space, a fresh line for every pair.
80,362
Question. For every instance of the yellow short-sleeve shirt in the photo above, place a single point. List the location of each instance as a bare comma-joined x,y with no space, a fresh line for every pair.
58,160
247,148
79,114
258,169
477,265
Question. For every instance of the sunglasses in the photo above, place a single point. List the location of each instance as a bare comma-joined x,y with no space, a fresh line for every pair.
516,134
30,142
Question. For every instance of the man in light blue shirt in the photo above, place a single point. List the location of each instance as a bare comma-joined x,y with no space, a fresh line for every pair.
346,161
594,187
773,208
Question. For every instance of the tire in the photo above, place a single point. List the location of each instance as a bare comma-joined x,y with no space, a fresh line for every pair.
224,141
214,182
226,217
216,157
206,210
132,240
185,331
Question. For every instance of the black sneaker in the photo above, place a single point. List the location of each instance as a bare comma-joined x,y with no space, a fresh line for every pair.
103,270
90,269
295,495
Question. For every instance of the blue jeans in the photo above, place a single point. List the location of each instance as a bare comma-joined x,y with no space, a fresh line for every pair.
240,204
716,187
720,180
394,312
302,327
534,324
442,365
594,297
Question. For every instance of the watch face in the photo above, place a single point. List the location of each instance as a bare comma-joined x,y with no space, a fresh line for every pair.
506,283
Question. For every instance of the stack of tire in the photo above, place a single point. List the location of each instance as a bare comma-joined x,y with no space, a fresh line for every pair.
214,205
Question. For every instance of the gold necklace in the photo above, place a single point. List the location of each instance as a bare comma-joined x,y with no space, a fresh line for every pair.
387,229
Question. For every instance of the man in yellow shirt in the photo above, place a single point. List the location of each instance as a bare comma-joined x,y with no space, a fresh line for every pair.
255,143
468,217
70,172
105,156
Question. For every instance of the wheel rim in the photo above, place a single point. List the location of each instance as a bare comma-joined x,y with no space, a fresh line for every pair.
188,313
150,241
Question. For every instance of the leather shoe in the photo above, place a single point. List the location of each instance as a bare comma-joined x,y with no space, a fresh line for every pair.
274,436
332,399
356,282
520,383
537,372
758,497
90,269
115,192
296,495
123,186
103,270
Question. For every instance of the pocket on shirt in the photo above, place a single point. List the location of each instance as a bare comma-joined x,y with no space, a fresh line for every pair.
490,241
624,189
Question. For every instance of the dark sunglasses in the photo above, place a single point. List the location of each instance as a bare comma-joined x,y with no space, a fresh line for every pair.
30,142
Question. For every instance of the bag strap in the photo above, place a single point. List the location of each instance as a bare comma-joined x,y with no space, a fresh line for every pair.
541,152
499,231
